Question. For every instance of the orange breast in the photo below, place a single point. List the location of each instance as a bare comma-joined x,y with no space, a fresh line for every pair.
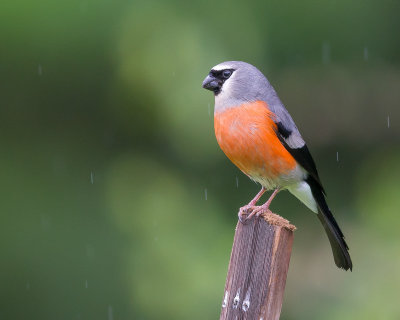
247,136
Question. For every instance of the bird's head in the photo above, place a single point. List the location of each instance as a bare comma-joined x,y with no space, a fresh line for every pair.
235,82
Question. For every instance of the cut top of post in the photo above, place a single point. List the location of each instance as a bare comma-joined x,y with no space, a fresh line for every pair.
276,220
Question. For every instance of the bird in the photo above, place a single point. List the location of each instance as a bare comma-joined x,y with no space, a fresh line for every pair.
257,133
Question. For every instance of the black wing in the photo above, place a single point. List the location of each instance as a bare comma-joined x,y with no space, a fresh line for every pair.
301,154
303,157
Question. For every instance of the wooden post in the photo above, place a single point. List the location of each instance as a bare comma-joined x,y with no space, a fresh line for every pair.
257,269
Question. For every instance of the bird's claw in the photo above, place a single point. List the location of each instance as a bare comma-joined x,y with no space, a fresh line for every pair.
245,213
248,211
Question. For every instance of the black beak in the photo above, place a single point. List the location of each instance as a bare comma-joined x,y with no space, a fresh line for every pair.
212,83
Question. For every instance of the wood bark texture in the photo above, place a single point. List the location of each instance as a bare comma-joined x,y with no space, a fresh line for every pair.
258,268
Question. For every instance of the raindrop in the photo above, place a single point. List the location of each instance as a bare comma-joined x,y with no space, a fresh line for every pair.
237,182
44,222
326,52
205,193
91,177
337,156
366,53
110,313
89,251
28,285
388,122
40,70
86,284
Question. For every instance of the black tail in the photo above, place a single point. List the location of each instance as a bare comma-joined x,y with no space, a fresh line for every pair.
335,235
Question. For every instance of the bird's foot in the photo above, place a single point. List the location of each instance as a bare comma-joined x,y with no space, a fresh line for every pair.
262,210
245,212
248,211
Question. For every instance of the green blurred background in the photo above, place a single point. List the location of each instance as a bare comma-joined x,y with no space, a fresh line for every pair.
116,200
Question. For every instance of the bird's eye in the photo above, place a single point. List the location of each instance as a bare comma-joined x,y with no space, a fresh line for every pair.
226,74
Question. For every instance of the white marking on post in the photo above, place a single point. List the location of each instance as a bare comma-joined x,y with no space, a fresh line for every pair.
236,300
225,302
246,302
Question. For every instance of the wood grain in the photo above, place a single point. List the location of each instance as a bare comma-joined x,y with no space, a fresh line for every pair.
258,268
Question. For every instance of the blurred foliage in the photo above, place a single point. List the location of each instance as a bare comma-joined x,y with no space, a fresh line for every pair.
117,202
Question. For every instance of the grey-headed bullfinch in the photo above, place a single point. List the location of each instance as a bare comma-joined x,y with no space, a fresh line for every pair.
257,133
